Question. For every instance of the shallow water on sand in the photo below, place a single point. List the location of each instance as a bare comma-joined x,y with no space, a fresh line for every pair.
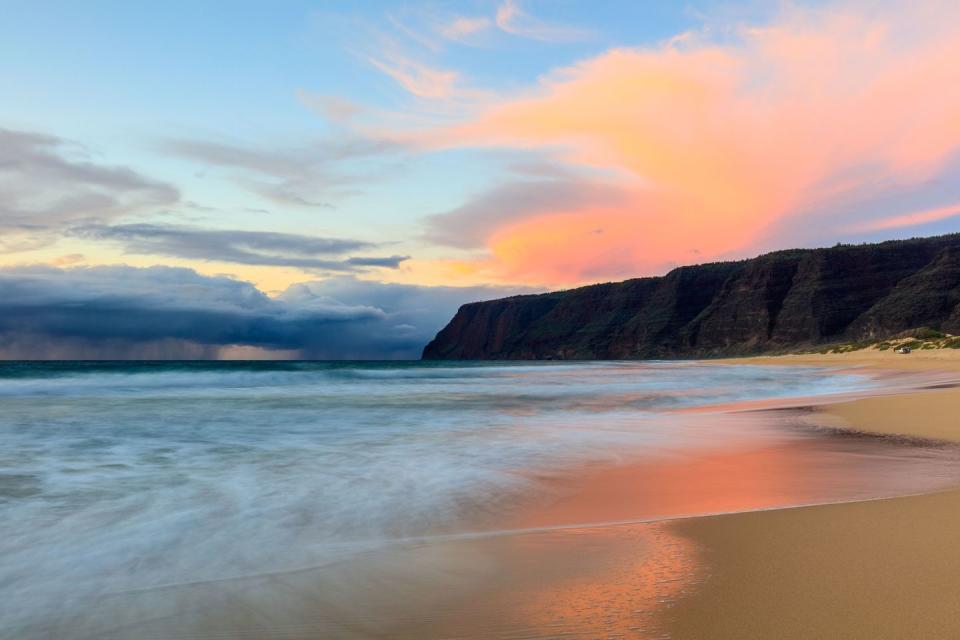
348,499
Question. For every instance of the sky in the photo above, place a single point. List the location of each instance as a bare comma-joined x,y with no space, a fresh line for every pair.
333,179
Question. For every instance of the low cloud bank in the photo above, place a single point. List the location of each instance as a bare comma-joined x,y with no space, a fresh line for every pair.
166,312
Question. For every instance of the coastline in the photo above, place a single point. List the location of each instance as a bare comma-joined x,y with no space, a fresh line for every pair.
875,569
762,569
623,546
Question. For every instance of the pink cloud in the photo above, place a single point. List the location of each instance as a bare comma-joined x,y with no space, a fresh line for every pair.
716,143
462,27
913,219
416,77
511,18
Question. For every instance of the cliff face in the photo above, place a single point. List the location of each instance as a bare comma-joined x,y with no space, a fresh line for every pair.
776,302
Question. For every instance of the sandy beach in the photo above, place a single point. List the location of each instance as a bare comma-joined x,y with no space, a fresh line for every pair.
873,568
878,569
617,545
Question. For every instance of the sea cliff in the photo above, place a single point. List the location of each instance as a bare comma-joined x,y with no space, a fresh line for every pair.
778,302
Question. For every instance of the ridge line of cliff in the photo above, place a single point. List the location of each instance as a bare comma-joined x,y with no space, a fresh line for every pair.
776,302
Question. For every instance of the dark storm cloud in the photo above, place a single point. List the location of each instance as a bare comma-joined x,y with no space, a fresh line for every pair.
157,302
171,312
240,247
412,315
48,183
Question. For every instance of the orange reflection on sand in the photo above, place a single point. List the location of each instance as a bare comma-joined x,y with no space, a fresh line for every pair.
710,482
612,581
607,582
648,569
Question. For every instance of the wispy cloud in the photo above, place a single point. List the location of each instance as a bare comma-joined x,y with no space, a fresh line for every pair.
334,108
418,78
241,247
433,27
913,218
48,183
464,28
513,19
410,48
311,175
424,38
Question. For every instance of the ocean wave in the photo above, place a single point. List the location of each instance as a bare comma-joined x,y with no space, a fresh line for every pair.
117,477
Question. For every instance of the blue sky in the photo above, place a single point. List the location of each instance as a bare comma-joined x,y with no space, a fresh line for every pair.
511,145
121,78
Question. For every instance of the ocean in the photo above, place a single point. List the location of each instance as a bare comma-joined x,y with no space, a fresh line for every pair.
120,478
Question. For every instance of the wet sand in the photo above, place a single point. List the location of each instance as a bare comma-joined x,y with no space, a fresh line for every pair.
758,574
864,568
614,579
602,558
879,569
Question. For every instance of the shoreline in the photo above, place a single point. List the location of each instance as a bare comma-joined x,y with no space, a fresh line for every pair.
673,574
636,546
701,573
880,568
759,571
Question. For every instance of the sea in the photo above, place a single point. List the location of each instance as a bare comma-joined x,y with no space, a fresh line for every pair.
130,491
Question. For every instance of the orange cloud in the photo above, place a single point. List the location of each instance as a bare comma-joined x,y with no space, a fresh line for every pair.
718,142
